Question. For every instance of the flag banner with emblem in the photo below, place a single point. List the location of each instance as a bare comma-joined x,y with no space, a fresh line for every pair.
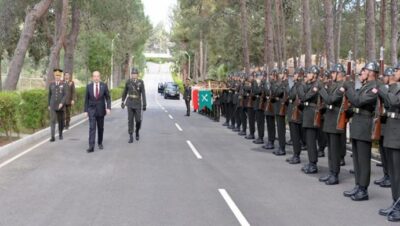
195,99
205,99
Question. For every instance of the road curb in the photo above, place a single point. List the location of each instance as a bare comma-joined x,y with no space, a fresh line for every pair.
30,140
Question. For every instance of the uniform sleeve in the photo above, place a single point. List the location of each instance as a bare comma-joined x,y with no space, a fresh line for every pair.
87,99
49,96
65,94
125,92
107,97
310,94
360,100
392,99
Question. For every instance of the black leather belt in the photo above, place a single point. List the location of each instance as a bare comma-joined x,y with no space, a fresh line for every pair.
362,112
393,115
332,107
308,104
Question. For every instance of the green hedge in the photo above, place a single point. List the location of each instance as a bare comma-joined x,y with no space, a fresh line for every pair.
33,110
178,81
9,105
116,93
80,101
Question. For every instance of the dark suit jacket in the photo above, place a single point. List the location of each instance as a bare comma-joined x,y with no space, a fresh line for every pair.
97,107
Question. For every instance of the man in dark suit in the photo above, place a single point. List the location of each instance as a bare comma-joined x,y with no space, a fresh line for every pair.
97,105
56,103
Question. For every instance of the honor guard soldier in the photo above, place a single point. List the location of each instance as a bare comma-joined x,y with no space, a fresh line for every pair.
309,96
244,95
187,95
391,97
134,98
56,103
236,108
364,102
259,107
294,114
71,97
251,114
269,110
333,100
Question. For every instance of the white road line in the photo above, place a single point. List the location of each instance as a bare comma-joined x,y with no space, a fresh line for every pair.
194,150
170,116
178,127
239,216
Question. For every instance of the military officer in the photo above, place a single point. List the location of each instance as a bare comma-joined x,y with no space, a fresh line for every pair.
269,110
244,98
250,106
258,107
236,108
56,103
294,116
134,97
333,101
309,96
71,97
363,102
391,97
187,95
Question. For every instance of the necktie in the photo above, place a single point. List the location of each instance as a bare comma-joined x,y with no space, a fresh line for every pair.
97,91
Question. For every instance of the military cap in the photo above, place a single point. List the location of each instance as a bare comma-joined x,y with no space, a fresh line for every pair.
134,71
285,71
314,70
389,72
339,68
372,66
57,72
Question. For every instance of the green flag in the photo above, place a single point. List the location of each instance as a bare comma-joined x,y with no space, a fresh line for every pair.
205,99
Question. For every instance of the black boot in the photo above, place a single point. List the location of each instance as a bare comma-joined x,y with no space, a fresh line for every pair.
321,154
311,169
295,160
386,211
342,162
360,195
130,138
279,152
394,215
269,145
352,191
324,178
250,137
242,133
332,180
52,139
60,136
137,130
258,141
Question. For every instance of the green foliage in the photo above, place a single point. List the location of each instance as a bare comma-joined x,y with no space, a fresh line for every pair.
116,93
9,105
99,54
33,109
178,81
80,100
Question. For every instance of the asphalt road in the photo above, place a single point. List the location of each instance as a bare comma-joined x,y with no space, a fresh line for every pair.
183,171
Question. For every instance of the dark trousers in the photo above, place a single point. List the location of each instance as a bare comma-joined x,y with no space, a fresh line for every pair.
230,114
343,142
382,152
237,116
187,103
303,136
56,117
311,140
96,121
252,120
322,139
393,163
68,110
362,161
260,123
334,152
243,118
281,126
271,128
295,134
134,115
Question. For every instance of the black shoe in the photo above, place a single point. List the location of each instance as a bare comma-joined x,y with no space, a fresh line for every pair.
321,154
236,129
250,137
137,136
386,211
269,146
342,162
187,115
66,128
279,152
351,192
89,150
379,181
311,169
360,195
225,124
333,179
258,141
295,160
101,147
379,164
394,216
130,139
52,139
60,137
305,167
231,127
242,133
289,142
386,183
324,178
304,147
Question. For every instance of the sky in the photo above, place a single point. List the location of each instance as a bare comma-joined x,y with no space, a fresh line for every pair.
159,11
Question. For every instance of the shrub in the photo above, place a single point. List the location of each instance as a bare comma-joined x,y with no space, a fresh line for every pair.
80,101
9,105
116,93
33,109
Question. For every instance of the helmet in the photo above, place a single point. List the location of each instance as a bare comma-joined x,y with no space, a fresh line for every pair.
314,70
284,71
397,66
339,68
389,72
299,70
372,66
327,73
274,71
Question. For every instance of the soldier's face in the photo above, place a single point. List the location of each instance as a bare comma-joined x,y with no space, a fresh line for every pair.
134,76
66,77
363,75
310,76
57,77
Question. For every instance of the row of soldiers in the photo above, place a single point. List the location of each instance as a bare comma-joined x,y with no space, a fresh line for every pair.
317,104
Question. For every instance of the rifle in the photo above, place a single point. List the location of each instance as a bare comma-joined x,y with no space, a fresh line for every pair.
250,98
344,107
282,109
261,105
317,113
269,108
376,121
296,110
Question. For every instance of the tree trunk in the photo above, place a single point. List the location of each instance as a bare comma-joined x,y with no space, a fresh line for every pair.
268,35
278,33
71,39
61,29
1,81
329,33
17,61
245,36
282,32
201,55
355,30
205,74
394,32
338,30
383,16
370,30
307,33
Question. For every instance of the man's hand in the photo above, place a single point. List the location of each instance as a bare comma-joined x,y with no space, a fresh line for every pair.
72,102
144,108
122,105
60,106
48,108
108,111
